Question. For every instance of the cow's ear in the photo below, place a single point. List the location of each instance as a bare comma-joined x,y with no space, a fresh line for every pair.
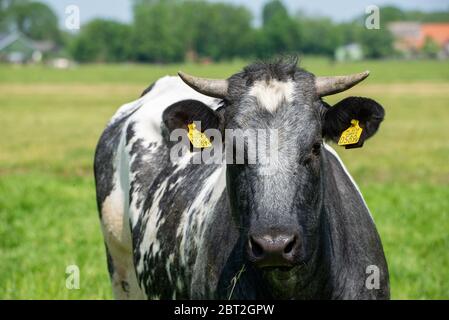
182,113
338,118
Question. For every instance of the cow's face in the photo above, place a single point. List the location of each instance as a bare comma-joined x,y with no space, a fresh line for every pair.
278,208
277,204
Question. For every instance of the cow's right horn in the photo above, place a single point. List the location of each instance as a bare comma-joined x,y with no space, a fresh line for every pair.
216,88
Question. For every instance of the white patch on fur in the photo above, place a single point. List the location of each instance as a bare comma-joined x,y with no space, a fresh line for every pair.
148,117
152,226
117,235
170,260
271,94
179,284
136,203
166,91
112,217
335,154
215,183
126,109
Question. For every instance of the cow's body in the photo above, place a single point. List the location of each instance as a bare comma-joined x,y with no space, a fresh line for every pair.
169,232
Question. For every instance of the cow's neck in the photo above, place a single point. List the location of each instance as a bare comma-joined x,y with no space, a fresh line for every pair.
336,243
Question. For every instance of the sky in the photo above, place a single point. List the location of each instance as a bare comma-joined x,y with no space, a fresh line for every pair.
338,10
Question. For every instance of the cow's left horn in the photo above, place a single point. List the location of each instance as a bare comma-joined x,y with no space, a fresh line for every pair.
216,88
330,85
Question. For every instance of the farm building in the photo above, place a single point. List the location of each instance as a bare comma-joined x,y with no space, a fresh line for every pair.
412,37
17,48
349,52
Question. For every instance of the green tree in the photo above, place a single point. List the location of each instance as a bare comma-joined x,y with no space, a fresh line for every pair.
223,31
102,41
319,35
376,43
391,13
430,48
164,31
280,33
3,15
273,10
438,16
34,19
156,32
6,21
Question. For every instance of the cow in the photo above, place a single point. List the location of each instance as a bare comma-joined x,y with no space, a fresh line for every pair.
226,230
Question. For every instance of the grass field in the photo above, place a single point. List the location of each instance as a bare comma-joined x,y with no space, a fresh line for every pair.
51,119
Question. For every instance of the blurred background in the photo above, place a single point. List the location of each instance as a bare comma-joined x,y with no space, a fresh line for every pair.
155,31
66,66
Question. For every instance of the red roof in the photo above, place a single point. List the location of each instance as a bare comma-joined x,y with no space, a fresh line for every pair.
438,32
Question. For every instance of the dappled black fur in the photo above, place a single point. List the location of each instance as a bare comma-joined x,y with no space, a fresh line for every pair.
281,69
338,118
109,262
173,202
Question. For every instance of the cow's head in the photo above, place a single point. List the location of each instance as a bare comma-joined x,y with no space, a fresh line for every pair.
280,212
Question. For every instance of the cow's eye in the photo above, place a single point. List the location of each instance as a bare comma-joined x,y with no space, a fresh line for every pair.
314,154
316,148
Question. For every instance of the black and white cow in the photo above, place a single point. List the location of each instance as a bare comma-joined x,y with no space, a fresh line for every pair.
193,231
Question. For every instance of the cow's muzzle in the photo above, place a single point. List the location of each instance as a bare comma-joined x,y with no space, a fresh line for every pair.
274,251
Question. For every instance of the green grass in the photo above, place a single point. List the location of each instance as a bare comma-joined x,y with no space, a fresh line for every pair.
50,222
390,71
51,119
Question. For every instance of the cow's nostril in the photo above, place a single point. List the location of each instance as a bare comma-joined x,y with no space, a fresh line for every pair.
289,247
256,248
273,250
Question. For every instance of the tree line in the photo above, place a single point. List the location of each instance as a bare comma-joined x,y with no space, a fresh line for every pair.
165,31
34,19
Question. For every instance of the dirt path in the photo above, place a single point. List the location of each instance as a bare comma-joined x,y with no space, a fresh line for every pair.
416,88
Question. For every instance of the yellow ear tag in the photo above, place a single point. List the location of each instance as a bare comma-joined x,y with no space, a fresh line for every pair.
197,138
351,135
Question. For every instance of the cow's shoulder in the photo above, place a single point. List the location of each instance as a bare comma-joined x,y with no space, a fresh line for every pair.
146,120
345,183
351,227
